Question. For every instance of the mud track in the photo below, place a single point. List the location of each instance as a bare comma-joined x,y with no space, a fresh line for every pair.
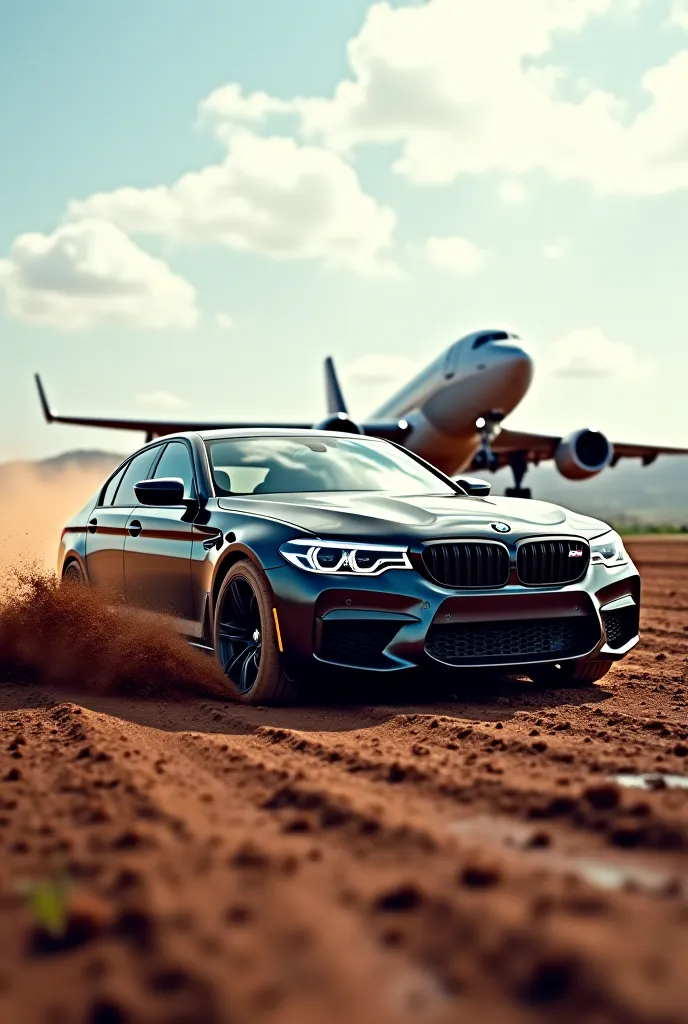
470,859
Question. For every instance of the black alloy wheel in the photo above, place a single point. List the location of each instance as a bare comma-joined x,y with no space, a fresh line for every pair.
240,634
247,642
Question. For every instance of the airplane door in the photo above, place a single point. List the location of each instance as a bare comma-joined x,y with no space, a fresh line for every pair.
157,547
107,526
451,358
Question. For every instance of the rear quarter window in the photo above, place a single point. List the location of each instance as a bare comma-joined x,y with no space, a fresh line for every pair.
107,495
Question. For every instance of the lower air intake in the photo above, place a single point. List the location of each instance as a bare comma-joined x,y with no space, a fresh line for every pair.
357,642
508,642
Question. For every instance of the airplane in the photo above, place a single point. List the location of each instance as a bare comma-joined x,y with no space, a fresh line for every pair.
449,414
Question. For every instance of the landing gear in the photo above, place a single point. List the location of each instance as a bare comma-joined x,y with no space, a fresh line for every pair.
519,466
488,426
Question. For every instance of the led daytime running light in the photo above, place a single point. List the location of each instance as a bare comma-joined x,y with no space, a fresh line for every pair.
308,555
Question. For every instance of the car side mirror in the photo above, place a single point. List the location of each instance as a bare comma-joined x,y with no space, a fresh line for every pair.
163,491
473,486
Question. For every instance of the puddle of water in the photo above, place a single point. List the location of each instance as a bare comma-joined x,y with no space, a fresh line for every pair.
602,873
652,780
606,875
493,830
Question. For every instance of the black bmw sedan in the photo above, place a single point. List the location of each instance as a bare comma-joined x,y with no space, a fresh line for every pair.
283,549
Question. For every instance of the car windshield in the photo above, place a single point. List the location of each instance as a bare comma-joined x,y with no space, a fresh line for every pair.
275,465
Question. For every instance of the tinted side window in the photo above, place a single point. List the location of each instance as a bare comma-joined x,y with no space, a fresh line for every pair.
137,469
112,486
176,461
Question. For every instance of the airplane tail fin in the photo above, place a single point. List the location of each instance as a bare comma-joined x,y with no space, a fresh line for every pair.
47,412
335,398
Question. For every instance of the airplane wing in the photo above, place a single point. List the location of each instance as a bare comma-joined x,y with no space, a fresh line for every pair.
541,447
151,427
338,418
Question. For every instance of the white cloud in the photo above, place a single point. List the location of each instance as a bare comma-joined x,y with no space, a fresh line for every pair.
456,254
557,250
224,321
91,273
678,15
161,400
271,196
460,97
587,352
374,369
513,192
228,105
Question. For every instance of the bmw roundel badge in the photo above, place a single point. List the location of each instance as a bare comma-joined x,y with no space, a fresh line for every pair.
501,527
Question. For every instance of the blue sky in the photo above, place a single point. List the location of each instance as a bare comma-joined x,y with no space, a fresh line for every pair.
536,176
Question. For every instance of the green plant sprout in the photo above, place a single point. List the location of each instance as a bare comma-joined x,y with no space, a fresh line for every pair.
48,900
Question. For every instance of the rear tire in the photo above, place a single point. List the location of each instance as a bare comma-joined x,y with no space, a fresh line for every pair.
581,673
245,638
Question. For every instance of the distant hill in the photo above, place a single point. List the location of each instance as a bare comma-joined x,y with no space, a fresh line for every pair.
88,460
628,494
80,459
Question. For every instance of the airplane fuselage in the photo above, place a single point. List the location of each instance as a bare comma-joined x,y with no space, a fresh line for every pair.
483,371
449,414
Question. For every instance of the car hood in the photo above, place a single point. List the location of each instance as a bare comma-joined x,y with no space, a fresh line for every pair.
373,516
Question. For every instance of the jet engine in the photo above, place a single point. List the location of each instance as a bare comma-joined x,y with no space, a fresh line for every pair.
583,454
389,430
339,421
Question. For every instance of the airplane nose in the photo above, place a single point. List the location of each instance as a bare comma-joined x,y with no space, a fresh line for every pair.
514,359
504,377
509,350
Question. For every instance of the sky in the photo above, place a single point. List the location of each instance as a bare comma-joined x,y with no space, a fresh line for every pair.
199,202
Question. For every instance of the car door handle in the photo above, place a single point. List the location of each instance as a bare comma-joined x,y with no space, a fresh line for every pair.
135,528
92,525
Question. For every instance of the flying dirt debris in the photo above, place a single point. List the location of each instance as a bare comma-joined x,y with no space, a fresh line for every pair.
188,859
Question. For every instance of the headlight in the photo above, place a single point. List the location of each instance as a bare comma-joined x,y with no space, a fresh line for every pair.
608,550
342,559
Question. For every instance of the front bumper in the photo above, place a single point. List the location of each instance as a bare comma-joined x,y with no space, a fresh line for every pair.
400,620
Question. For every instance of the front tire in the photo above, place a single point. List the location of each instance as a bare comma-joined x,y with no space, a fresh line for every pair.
579,673
245,638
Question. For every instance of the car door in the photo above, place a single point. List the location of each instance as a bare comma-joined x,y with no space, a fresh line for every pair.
157,547
107,527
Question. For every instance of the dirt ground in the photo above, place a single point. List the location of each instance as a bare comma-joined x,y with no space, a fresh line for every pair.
471,858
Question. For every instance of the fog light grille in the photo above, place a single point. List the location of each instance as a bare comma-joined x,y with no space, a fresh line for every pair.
357,642
621,625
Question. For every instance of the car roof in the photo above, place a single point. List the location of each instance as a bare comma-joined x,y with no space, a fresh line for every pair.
228,435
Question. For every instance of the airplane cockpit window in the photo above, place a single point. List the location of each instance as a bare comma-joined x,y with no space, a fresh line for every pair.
483,339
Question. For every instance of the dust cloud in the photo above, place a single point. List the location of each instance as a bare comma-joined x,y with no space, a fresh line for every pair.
67,636
35,503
